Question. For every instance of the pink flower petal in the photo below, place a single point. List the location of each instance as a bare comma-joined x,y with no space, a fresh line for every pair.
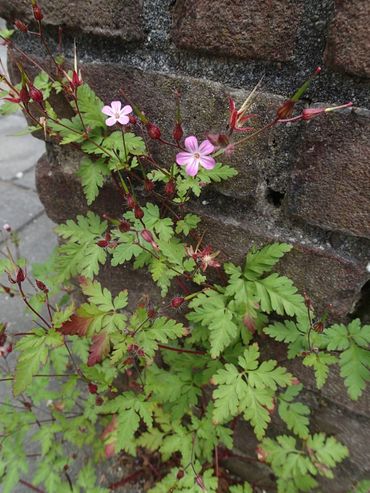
123,119
192,167
207,162
184,158
111,121
191,144
107,110
126,110
206,147
116,106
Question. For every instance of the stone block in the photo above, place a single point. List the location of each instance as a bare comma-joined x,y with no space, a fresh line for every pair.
330,181
348,43
111,18
248,29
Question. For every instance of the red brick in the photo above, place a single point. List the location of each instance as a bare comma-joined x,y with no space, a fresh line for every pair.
331,176
249,29
348,44
112,18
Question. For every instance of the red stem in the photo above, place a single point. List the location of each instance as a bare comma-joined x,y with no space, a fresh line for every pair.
127,479
180,350
30,486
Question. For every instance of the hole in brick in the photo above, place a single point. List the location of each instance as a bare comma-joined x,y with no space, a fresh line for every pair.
274,197
362,310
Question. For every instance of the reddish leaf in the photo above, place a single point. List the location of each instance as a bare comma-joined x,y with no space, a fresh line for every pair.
99,348
76,326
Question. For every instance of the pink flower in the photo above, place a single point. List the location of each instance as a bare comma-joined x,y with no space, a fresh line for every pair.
116,113
196,155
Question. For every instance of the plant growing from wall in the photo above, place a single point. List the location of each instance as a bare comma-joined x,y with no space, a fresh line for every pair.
165,383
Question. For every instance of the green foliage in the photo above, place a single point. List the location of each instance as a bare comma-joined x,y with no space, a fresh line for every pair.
354,361
92,174
249,392
81,254
131,377
296,469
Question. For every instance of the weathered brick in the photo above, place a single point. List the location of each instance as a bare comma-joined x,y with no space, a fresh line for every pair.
249,29
112,18
348,44
331,175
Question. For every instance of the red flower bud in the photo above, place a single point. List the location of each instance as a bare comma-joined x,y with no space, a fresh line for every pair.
76,80
153,131
149,185
285,110
99,401
318,327
130,201
41,286
132,119
93,389
147,235
170,188
37,12
138,211
24,95
177,132
180,474
35,94
21,26
102,243
309,113
124,226
21,276
177,302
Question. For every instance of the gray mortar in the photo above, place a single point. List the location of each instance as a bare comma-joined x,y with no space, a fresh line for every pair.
160,54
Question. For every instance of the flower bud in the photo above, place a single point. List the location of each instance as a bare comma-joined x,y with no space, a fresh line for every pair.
177,132
147,236
21,26
177,302
132,119
318,327
99,401
138,211
102,243
76,80
153,131
149,185
37,12
285,110
130,201
124,226
170,188
180,474
24,95
309,113
7,228
21,276
35,94
93,389
42,287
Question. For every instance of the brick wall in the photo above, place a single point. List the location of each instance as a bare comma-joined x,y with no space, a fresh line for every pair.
308,184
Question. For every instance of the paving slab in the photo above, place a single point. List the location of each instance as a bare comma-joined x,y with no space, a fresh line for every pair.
26,180
18,206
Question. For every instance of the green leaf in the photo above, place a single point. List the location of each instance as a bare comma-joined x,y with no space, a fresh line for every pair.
161,331
241,488
34,351
294,414
328,452
185,225
81,254
263,260
320,363
277,293
92,175
90,106
250,392
219,173
209,309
